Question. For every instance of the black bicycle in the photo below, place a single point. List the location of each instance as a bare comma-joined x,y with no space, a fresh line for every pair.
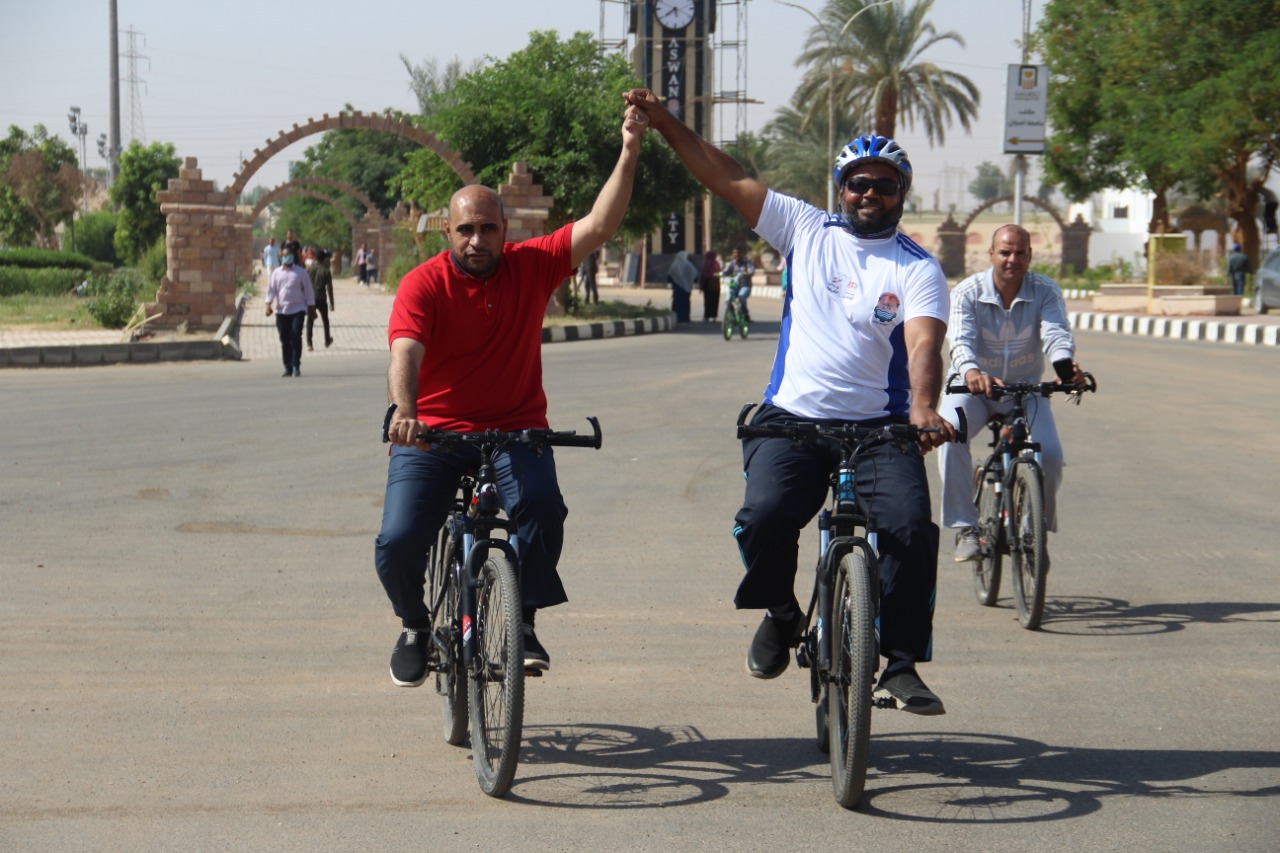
839,644
473,597
1008,489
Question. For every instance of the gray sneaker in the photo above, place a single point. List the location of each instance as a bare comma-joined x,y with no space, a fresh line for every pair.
968,549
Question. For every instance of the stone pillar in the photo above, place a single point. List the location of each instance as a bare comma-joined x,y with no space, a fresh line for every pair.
201,249
1075,247
951,248
527,209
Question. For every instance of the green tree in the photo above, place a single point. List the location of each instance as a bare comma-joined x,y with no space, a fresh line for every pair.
39,187
728,229
144,171
991,182
95,236
556,105
368,160
880,70
315,222
1161,94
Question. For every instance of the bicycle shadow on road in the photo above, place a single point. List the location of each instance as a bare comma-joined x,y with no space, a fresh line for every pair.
1093,615
935,777
1001,779
629,767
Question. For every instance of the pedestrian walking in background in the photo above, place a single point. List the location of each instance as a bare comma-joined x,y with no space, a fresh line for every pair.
291,293
709,284
681,275
1238,268
322,283
270,257
362,264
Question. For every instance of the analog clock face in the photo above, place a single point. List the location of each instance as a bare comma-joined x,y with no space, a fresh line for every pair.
675,14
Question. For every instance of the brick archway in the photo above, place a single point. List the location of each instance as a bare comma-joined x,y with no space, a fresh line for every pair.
348,121
951,237
207,242
371,228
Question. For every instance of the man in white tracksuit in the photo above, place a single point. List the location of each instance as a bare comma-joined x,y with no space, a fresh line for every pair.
1004,321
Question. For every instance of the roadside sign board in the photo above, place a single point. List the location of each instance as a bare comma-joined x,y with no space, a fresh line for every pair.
1026,102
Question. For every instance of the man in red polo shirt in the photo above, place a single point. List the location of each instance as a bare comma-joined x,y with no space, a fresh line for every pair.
466,355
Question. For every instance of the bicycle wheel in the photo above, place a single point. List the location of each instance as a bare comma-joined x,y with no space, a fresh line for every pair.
986,574
853,666
496,681
743,327
451,683
1030,562
730,321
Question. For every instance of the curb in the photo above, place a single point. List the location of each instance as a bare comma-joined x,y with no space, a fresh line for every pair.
612,329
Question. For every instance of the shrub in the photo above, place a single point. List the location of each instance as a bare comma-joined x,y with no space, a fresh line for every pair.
44,258
153,264
46,281
94,235
112,298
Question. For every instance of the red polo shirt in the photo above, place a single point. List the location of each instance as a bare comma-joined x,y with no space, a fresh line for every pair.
483,336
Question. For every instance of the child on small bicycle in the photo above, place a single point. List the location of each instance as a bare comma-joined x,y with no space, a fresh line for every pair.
737,275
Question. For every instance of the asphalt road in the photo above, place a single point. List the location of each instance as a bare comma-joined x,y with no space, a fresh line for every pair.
193,644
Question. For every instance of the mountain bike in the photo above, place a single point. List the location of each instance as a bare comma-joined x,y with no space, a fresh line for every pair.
1008,489
839,643
735,316
474,601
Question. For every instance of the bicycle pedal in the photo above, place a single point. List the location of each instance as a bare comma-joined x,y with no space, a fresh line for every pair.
532,673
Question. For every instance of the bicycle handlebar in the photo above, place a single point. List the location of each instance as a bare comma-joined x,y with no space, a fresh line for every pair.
535,437
851,432
1042,389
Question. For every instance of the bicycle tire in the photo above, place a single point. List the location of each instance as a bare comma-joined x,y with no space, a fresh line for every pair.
853,666
730,320
496,679
1030,562
743,328
986,575
451,682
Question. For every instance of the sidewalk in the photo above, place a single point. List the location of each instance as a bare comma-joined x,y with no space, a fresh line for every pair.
358,324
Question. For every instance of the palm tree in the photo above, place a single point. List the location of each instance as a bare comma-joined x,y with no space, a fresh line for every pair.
879,70
799,156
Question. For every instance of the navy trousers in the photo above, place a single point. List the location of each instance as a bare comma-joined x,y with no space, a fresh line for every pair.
421,486
289,327
787,485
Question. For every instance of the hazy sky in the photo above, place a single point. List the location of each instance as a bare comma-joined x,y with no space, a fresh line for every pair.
219,79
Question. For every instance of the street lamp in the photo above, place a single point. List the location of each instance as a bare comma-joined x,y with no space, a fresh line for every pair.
80,129
831,81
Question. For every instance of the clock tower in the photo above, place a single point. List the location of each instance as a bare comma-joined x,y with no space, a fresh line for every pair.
673,57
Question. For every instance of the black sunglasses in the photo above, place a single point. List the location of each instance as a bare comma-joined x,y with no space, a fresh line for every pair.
882,186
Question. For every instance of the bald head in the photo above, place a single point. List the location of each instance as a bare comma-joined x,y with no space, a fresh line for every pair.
477,230
1014,232
1010,257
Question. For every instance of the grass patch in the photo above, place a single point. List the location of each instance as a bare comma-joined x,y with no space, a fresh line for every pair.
50,313
610,309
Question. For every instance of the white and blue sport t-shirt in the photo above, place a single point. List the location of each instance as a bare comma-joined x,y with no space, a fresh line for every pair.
841,353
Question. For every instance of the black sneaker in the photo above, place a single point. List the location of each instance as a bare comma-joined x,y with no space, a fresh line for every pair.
902,688
409,658
535,656
770,650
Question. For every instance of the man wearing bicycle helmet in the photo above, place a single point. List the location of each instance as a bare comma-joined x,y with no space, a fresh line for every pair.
465,336
1004,321
863,323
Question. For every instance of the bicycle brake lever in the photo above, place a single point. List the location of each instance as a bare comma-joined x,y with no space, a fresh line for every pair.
386,423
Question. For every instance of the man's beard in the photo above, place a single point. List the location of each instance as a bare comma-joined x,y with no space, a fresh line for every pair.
874,223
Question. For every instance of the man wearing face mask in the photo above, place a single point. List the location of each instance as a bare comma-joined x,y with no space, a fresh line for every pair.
864,317
294,298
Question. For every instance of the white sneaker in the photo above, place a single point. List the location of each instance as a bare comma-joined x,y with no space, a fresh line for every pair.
968,549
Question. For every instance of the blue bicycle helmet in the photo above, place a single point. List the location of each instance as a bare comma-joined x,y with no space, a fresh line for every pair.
873,148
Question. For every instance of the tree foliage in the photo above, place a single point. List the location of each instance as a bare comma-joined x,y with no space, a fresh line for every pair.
368,160
40,185
556,105
144,171
991,182
1162,94
799,158
881,74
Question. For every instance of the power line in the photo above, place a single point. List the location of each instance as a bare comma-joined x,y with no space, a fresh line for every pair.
136,128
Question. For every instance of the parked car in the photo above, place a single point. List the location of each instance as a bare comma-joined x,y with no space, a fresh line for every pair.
1267,283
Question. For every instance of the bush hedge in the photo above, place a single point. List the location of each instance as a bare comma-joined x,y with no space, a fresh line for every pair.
46,281
44,258
112,299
